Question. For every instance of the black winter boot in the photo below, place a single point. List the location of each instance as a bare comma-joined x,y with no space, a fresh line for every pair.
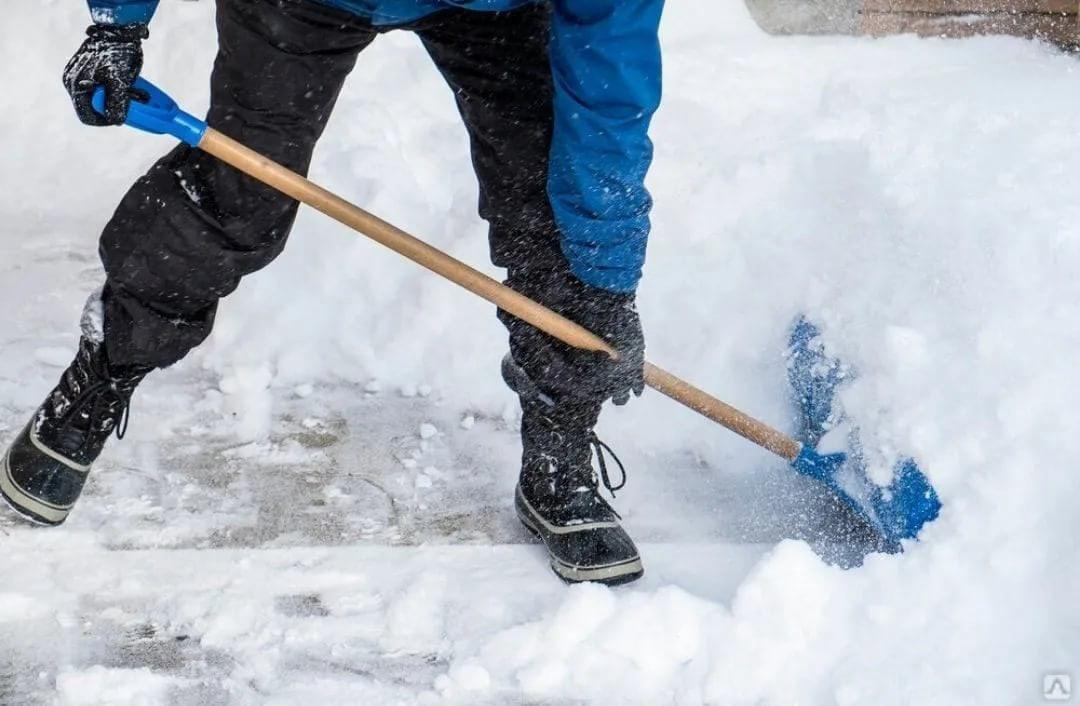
45,469
558,495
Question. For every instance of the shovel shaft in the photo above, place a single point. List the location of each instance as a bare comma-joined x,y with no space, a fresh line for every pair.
287,182
722,413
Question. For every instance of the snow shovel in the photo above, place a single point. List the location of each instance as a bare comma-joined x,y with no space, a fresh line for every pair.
896,512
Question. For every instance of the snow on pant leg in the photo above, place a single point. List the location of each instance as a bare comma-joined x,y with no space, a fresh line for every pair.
192,227
498,68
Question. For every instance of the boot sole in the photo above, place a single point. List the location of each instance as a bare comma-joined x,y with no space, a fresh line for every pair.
18,500
610,575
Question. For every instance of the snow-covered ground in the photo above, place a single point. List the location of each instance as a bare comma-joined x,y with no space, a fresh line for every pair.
315,506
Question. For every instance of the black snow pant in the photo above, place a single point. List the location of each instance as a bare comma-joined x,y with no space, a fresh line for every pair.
192,227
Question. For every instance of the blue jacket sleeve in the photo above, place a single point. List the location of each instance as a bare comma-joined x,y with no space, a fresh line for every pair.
605,59
122,12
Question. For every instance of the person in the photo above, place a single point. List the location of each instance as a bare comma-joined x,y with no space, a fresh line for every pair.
556,98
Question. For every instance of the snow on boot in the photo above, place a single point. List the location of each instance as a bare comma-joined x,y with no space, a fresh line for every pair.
46,467
558,494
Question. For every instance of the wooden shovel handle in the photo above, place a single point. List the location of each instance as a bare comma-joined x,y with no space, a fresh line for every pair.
274,175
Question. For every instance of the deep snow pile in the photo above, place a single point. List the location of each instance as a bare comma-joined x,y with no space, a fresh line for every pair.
916,198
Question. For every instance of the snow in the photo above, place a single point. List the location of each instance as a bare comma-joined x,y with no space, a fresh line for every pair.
97,685
914,197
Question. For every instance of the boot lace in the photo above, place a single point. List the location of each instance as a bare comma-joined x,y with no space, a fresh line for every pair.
599,449
589,480
105,400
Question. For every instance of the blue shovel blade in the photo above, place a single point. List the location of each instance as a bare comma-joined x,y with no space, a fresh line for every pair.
898,511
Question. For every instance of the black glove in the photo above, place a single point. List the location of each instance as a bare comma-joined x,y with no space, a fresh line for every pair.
565,372
112,57
613,317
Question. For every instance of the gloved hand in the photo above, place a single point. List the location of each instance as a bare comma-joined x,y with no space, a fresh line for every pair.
613,317
111,57
564,372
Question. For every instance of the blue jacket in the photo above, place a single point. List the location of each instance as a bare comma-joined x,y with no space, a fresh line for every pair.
605,59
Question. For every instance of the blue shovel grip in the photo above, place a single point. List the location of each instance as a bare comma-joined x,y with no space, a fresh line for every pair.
159,114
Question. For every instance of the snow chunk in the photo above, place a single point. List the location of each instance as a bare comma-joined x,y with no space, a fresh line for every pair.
92,323
415,620
102,685
468,676
16,606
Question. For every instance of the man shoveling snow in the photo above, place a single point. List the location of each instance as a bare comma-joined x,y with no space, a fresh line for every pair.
557,99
